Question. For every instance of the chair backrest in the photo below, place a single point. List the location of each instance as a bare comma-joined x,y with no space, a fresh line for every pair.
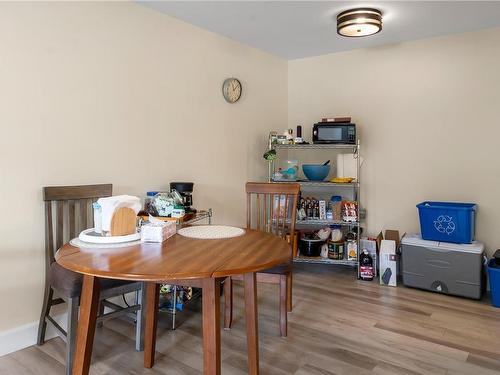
68,211
272,207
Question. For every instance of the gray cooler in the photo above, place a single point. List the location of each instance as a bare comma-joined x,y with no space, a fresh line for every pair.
443,267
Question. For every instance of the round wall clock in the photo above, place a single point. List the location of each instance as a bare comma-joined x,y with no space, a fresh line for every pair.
231,90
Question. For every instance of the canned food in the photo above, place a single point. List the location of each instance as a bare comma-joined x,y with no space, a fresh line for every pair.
335,250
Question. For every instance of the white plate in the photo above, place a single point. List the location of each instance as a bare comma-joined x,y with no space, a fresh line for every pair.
103,247
88,235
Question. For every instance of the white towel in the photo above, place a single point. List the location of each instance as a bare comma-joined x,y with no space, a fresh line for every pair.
111,204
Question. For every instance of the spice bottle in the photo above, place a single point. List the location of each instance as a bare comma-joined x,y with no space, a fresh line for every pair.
97,218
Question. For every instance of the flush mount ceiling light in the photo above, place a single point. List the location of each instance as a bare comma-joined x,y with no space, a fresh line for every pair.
359,22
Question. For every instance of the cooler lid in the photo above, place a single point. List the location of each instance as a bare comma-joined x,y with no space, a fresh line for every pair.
416,240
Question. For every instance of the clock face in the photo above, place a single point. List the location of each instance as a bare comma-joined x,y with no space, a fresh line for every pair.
231,90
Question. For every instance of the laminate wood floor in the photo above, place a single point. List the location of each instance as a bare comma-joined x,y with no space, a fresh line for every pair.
339,325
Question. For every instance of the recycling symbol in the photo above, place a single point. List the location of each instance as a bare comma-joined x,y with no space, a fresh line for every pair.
444,224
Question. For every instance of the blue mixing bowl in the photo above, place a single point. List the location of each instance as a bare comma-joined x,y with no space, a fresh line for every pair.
315,172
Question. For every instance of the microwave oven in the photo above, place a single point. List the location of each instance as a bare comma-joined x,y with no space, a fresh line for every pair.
336,133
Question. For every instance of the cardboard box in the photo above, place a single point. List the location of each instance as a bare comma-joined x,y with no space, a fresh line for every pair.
388,263
388,259
393,235
390,234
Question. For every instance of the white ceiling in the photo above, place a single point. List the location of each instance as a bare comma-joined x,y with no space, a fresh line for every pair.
295,29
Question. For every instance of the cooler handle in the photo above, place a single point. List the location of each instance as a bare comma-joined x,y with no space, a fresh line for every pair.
439,263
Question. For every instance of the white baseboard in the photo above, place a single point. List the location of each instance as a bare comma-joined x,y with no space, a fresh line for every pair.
21,337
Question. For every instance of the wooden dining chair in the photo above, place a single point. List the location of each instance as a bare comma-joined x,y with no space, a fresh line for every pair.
271,207
68,210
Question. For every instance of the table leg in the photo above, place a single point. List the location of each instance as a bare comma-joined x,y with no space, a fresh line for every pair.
211,326
152,299
89,304
251,317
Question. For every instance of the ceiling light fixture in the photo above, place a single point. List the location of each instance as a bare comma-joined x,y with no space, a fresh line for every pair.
359,22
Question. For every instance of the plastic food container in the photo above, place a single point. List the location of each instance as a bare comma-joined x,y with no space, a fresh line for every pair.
148,202
292,166
447,222
351,249
164,204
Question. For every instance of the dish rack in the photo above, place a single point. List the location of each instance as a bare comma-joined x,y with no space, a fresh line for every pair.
200,215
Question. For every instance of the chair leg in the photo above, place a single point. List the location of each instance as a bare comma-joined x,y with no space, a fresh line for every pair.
174,305
139,328
71,331
47,303
289,281
228,303
283,305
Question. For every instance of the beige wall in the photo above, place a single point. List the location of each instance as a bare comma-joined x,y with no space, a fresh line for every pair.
428,114
97,93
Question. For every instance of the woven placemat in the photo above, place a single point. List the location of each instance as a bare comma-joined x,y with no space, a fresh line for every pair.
211,232
87,245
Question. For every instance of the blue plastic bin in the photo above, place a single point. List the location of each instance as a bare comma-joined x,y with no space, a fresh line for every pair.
494,276
447,222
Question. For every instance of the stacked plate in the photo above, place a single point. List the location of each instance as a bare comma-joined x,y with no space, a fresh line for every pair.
90,239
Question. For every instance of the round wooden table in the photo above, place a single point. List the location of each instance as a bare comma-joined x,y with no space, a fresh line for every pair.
178,258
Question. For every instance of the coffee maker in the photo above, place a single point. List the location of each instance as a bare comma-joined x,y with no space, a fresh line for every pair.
185,189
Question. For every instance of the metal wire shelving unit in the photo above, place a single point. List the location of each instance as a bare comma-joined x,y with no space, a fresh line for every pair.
354,187
201,215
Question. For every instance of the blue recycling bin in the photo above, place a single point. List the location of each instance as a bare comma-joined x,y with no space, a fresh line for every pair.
447,221
494,276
